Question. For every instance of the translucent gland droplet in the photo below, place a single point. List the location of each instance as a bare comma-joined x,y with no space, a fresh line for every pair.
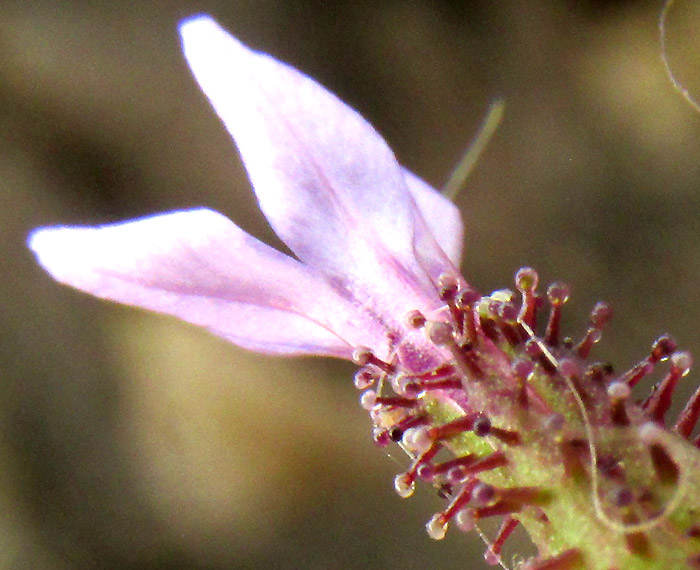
465,521
364,379
403,384
526,279
404,485
482,427
362,355
682,361
368,400
457,474
601,314
417,439
523,368
381,437
558,293
483,494
619,390
663,347
448,285
502,296
594,335
436,527
439,333
395,434
509,312
415,319
533,348
467,297
569,367
650,433
425,471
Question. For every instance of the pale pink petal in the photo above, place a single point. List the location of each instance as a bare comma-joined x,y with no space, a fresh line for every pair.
199,266
441,216
326,181
265,330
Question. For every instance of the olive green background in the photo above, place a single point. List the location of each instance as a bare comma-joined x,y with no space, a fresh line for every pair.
131,441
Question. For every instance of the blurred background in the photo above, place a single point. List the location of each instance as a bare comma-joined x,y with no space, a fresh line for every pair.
131,441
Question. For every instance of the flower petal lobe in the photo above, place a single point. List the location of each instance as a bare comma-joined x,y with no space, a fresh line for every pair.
441,216
326,181
199,266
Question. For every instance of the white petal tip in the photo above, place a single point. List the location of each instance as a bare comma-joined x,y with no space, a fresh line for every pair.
199,29
50,248
39,242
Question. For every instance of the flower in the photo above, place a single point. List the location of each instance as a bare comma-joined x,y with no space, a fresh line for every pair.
370,237
504,423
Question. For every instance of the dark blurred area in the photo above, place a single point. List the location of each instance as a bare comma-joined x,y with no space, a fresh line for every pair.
131,441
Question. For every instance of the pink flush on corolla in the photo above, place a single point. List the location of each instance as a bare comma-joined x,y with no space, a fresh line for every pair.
502,422
370,237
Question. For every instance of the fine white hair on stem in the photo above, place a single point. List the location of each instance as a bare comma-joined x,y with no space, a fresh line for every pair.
677,85
601,515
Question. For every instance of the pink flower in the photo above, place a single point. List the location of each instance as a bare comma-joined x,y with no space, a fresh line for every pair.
504,423
370,238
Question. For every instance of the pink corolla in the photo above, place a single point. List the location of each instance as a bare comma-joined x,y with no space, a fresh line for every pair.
503,422
370,238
